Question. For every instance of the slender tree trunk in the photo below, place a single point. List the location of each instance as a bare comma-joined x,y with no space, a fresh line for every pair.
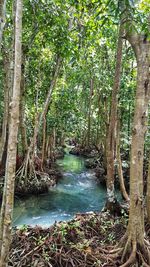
29,161
6,106
48,98
119,165
7,99
111,138
52,85
51,145
54,137
106,116
44,140
89,114
2,19
8,196
47,146
148,194
8,57
98,137
129,120
62,139
22,109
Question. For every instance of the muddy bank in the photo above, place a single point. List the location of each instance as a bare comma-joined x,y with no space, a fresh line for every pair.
37,184
80,242
40,183
43,176
87,152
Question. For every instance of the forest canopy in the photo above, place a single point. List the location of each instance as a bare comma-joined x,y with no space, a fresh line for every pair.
76,73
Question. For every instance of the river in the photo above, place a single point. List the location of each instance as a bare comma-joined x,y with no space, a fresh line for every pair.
76,192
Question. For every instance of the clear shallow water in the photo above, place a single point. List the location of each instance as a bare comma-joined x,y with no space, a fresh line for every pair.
76,192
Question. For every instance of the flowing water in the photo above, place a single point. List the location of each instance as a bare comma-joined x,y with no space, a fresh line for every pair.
76,192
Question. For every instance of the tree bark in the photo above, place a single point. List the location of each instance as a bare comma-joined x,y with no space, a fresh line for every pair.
51,148
2,19
119,165
44,140
6,105
8,196
8,58
89,113
111,138
148,194
135,231
52,85
22,109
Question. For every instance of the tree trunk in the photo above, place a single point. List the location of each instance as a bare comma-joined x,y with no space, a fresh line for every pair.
52,85
148,194
48,98
51,147
47,147
89,114
6,106
2,19
22,109
8,196
44,140
29,161
119,165
111,138
62,138
134,236
8,61
54,137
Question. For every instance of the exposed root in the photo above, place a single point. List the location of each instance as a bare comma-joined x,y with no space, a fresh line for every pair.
116,250
139,253
144,264
122,241
84,244
145,252
132,256
127,248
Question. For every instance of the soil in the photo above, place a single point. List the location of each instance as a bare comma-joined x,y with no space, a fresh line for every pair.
81,242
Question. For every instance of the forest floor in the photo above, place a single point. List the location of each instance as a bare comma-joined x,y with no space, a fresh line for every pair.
81,242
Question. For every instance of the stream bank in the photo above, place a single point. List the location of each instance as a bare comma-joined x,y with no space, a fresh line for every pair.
79,234
82,242
45,175
77,191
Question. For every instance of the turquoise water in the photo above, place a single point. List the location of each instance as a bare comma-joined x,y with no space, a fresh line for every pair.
76,192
